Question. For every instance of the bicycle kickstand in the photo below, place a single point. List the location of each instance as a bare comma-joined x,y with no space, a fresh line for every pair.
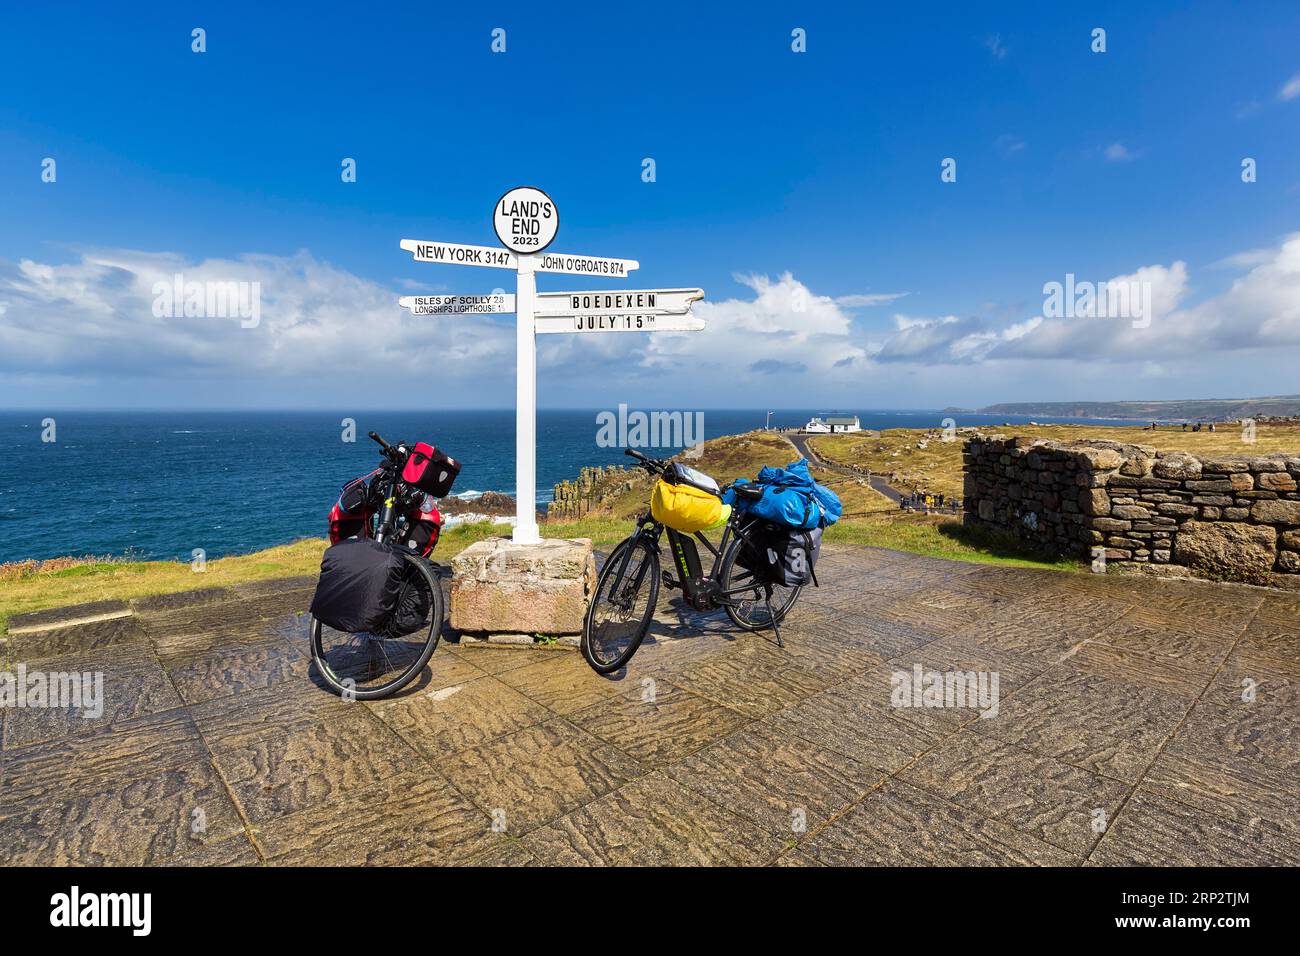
776,626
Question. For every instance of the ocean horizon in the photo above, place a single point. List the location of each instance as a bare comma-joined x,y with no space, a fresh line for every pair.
159,484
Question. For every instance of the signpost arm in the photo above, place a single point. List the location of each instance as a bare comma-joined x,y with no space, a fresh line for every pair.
526,531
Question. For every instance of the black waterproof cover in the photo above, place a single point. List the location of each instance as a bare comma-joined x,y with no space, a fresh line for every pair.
781,555
411,613
360,584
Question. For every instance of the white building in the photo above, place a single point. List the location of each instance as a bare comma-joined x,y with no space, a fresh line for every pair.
832,425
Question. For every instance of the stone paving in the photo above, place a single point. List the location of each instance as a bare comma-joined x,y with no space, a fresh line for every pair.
1123,734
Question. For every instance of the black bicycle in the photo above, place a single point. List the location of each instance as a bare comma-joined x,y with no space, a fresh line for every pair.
628,587
367,666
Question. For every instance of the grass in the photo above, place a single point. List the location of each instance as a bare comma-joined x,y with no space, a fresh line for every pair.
36,586
937,537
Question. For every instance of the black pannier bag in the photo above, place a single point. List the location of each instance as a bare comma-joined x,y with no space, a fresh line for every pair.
781,555
355,496
430,470
360,586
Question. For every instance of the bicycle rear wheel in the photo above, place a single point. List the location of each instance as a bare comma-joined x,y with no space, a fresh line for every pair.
622,607
369,666
750,611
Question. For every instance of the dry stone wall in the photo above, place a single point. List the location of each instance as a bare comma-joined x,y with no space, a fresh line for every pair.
1234,517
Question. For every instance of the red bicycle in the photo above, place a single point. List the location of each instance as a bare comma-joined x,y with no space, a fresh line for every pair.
394,504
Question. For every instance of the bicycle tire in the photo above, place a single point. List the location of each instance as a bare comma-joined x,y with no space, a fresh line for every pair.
593,643
745,621
341,685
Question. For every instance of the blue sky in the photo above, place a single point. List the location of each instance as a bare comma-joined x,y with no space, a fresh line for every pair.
779,175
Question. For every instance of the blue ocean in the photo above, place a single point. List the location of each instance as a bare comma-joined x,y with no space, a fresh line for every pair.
160,484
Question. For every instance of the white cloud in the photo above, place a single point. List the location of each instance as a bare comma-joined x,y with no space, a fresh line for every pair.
96,315
856,301
327,334
993,43
1009,145
1261,310
1290,89
1118,153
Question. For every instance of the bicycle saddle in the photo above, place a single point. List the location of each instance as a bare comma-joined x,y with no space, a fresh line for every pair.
748,492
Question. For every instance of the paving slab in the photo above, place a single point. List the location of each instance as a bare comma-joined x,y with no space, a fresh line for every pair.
65,616
902,825
92,636
118,683
660,724
1056,803
565,683
1154,831
858,727
444,721
1109,726
277,773
532,776
652,822
786,785
409,819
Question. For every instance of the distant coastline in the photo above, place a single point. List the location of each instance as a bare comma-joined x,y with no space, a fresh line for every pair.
1206,410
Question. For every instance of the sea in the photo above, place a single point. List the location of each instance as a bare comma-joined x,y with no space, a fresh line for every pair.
158,485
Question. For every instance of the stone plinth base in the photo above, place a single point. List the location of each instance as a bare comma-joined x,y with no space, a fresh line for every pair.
511,594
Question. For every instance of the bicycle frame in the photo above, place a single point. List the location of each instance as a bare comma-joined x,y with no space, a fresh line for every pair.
387,521
701,590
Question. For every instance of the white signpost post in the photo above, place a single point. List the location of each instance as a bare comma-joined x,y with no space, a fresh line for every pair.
526,221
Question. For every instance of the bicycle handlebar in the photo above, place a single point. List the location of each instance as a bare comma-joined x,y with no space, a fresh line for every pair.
394,453
653,465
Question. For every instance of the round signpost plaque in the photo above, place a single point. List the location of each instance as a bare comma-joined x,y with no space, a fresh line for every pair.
525,220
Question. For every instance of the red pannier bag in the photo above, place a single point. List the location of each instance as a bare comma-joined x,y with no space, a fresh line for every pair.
430,470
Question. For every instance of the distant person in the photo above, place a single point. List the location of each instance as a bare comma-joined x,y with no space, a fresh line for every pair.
1211,426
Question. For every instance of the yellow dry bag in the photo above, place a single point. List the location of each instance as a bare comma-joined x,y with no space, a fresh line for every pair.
687,509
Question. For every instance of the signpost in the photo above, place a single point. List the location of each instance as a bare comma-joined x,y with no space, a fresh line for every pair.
526,221
458,304
632,310
650,301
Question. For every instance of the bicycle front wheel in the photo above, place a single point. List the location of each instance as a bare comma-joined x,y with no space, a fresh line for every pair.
369,666
620,612
750,611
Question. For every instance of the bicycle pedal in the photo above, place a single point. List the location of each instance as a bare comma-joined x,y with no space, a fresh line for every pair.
668,580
